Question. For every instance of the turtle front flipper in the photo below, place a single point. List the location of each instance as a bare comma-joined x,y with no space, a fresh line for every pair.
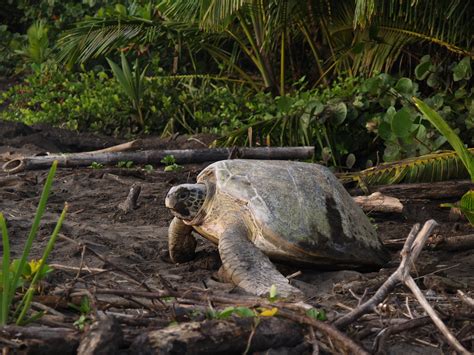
181,243
247,266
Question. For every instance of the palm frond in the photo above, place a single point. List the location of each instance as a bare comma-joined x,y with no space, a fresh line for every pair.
427,168
94,37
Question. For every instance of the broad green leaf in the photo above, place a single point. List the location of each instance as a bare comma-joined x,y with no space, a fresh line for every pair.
283,103
404,86
339,113
314,107
422,70
401,123
391,152
453,139
432,81
350,160
462,70
385,131
225,313
316,314
244,312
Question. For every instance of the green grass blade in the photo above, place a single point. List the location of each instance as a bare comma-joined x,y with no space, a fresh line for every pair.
5,306
453,139
34,227
27,298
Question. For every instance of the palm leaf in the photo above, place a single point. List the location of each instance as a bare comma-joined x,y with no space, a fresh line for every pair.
427,168
453,139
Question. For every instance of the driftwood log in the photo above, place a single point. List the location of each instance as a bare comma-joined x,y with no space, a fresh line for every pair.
41,340
432,190
184,156
220,336
377,202
103,337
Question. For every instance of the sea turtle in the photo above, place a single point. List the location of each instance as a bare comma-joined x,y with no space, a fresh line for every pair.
286,211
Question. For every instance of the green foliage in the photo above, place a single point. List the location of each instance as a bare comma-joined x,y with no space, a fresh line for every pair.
84,309
37,50
170,163
132,83
451,136
317,314
273,293
467,201
438,166
13,275
9,44
81,101
148,168
125,164
96,165
243,312
467,206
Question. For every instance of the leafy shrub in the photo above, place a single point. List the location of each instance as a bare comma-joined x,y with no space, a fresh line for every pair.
9,43
80,101
193,105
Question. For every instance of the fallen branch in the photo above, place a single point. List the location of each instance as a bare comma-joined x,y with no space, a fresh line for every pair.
410,252
120,147
220,336
42,340
291,311
459,242
185,156
384,334
432,190
103,337
465,298
377,202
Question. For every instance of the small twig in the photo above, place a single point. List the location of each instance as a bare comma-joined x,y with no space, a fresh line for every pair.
81,263
411,284
410,252
382,292
407,304
105,260
77,269
252,333
47,309
466,299
350,345
286,310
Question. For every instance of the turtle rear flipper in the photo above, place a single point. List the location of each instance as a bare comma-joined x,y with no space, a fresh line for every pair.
181,243
248,267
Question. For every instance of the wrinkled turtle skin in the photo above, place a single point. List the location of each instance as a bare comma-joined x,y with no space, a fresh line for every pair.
291,211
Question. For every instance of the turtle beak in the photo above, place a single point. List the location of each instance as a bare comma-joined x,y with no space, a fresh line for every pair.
169,202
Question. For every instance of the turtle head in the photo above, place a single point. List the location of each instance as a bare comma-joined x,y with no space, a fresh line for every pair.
186,200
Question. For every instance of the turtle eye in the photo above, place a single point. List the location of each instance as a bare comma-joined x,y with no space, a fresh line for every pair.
182,195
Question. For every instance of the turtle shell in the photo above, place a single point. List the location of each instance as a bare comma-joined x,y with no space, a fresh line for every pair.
297,212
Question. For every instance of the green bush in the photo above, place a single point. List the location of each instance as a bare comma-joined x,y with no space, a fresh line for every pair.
81,101
9,43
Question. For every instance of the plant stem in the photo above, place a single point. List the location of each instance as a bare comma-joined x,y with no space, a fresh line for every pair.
34,228
5,271
27,298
